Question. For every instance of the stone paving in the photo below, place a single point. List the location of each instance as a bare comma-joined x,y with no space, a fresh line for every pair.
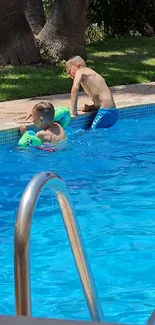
124,96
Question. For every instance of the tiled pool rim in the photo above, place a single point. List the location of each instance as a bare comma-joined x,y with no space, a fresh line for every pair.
12,135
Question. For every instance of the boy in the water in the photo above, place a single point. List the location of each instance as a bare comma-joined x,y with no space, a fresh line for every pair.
43,118
96,88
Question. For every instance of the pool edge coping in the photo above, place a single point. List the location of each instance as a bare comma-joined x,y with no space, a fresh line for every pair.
80,116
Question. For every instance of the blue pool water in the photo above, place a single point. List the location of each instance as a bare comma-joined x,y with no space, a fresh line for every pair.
111,177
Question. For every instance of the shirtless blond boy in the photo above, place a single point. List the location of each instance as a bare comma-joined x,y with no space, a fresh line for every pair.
96,88
43,118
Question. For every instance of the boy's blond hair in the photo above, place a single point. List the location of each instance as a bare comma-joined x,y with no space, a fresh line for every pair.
76,60
46,109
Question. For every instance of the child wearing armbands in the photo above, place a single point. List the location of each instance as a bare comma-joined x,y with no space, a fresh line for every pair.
43,118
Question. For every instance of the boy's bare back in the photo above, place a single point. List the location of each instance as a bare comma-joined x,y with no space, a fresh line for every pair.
52,135
95,87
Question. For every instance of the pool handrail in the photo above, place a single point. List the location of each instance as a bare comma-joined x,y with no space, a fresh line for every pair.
21,244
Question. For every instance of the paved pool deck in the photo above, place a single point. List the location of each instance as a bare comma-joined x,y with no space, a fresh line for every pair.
124,96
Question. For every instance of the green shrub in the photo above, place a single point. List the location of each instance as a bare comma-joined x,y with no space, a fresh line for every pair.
94,33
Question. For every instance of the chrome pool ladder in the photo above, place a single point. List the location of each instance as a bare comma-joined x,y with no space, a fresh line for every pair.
21,244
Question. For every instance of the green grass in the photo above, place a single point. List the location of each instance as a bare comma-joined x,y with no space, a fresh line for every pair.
120,61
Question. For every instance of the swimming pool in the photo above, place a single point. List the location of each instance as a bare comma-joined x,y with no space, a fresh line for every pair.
111,177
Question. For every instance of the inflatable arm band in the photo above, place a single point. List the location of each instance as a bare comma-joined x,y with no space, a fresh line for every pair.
29,139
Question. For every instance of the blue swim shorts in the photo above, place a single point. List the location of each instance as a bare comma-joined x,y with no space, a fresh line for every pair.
105,118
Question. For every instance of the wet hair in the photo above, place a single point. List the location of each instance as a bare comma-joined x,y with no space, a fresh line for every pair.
76,60
45,109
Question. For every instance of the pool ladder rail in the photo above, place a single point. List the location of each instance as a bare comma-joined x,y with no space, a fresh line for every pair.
21,244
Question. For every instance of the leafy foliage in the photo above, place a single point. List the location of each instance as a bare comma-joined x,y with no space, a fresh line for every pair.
94,34
47,6
121,16
117,16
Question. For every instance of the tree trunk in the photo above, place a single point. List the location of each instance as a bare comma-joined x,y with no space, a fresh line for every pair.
35,15
63,34
17,43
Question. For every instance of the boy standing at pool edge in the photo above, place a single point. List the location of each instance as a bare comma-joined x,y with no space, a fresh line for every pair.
96,88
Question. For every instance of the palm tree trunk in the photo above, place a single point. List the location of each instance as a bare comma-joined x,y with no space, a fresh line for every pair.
17,43
35,15
63,34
